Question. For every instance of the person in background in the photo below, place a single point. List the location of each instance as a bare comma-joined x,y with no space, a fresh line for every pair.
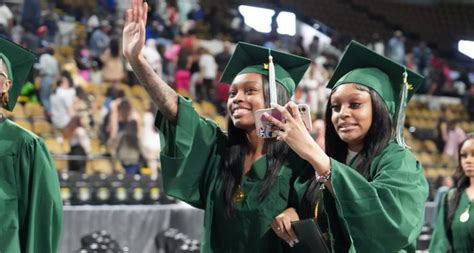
443,184
48,69
207,73
442,129
30,201
113,71
63,108
240,180
375,189
455,136
455,220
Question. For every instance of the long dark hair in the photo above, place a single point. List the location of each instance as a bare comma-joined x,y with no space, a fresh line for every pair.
375,141
462,183
129,136
237,149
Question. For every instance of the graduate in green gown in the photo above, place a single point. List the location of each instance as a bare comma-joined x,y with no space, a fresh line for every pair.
240,180
30,202
375,189
454,230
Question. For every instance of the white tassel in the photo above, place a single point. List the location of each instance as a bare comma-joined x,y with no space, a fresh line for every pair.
400,123
271,78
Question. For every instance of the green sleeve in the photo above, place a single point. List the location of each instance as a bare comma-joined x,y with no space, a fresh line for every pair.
384,214
191,154
439,240
40,204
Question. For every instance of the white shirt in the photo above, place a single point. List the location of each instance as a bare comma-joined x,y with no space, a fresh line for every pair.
5,15
208,64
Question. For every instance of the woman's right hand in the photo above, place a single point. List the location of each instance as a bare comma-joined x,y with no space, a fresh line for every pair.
281,225
133,37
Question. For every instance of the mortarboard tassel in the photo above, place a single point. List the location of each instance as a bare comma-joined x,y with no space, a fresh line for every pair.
401,112
271,78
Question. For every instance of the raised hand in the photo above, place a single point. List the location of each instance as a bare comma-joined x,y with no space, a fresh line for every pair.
133,37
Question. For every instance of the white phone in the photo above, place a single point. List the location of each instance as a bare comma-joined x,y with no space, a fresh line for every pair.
265,129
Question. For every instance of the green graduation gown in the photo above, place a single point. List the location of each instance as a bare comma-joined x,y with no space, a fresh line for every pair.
463,233
30,201
192,162
383,214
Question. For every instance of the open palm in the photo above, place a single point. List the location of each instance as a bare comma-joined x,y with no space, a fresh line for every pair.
133,37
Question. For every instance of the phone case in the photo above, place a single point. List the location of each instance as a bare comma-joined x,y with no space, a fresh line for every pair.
265,129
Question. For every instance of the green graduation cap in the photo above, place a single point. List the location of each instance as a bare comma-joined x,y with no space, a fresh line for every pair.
393,82
19,62
249,58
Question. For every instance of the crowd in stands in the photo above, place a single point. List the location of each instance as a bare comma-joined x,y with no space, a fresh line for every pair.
96,109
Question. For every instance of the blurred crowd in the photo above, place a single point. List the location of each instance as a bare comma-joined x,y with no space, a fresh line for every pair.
86,88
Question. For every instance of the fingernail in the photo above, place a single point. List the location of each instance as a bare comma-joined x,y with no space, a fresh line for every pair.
290,243
296,241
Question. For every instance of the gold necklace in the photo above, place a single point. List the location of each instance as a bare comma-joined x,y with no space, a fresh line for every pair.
465,215
239,195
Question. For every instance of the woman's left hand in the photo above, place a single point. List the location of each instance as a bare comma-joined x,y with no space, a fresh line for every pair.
293,130
281,225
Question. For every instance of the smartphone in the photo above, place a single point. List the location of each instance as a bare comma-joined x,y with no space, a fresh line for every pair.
265,129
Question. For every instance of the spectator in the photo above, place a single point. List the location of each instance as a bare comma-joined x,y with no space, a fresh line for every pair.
422,57
29,39
455,136
443,184
377,44
80,146
82,56
182,75
396,47
62,105
121,114
6,16
468,101
207,73
151,54
129,148
150,141
313,49
99,40
442,129
112,70
48,71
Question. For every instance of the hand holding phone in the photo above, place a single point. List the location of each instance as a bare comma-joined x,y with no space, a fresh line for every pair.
266,129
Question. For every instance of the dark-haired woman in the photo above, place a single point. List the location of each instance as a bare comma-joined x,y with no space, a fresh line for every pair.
242,181
454,231
375,189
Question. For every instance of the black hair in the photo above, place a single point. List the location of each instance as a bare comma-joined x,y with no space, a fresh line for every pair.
66,74
114,48
462,182
237,148
374,142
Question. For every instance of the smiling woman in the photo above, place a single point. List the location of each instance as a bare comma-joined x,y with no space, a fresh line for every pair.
375,189
240,180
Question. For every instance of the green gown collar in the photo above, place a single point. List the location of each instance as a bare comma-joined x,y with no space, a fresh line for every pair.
258,170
